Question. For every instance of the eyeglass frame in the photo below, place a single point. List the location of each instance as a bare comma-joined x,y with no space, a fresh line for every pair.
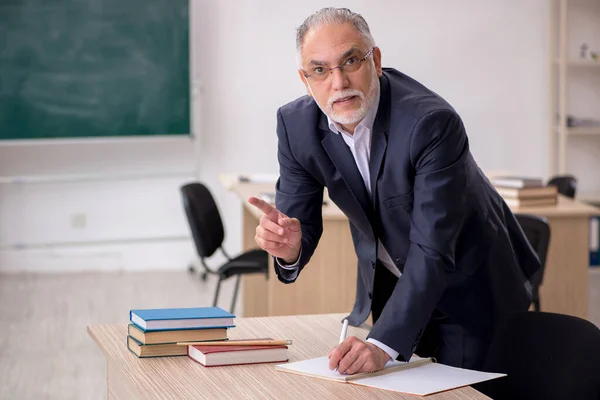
341,66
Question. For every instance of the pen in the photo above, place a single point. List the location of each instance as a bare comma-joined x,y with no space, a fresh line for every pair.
269,342
343,334
344,330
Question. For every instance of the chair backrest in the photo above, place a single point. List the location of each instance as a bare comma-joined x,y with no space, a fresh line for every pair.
545,356
203,218
537,231
566,185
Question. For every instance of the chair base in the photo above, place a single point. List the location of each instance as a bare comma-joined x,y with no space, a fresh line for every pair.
203,275
235,290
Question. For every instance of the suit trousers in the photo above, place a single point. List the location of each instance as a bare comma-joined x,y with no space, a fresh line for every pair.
447,341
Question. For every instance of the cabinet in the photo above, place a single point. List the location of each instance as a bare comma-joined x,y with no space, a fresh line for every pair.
574,148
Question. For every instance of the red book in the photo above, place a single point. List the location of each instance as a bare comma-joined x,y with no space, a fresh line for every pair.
211,356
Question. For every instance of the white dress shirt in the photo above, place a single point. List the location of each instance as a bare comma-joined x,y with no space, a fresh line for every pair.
360,146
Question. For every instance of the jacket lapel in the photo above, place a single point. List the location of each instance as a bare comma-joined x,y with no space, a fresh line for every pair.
342,158
379,136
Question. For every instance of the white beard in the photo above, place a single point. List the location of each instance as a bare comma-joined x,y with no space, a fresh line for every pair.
352,116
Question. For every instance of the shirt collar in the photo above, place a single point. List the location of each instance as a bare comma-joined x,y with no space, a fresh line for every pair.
367,122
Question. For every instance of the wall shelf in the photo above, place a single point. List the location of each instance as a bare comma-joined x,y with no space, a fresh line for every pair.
589,197
583,131
581,63
579,131
572,96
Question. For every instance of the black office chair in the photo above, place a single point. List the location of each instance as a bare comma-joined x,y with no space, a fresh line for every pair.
545,356
537,231
207,230
566,184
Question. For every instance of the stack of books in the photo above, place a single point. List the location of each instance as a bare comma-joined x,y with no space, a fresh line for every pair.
201,334
157,332
524,191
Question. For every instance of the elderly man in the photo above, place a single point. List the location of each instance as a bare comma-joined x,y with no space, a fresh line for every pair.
441,258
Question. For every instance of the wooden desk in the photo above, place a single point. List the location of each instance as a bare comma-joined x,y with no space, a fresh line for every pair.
328,283
129,377
565,287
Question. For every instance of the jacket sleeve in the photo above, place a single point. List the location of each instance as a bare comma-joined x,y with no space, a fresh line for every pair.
438,152
298,195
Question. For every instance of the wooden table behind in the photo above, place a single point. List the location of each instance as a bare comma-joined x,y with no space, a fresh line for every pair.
328,282
182,378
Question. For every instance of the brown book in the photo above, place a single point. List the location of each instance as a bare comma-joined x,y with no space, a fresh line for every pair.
516,181
154,350
550,191
211,356
174,336
535,202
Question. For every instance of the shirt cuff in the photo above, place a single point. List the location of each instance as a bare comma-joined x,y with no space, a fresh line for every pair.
290,267
391,352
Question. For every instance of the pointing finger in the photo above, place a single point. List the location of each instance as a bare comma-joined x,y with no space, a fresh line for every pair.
267,235
262,205
267,245
271,226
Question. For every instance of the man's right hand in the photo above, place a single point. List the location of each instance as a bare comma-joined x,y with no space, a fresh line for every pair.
277,234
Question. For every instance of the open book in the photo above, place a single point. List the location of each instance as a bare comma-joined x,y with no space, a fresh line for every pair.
419,376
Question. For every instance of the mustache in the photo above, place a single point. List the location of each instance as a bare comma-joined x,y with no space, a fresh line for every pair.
345,93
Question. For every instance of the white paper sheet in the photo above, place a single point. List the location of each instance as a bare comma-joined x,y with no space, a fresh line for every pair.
319,367
427,379
422,380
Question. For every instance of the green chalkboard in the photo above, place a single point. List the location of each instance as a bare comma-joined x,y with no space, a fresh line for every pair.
94,68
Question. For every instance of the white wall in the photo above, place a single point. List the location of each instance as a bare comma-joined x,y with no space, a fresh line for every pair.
75,205
488,58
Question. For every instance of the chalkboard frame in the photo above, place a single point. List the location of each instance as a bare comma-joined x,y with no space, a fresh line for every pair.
132,55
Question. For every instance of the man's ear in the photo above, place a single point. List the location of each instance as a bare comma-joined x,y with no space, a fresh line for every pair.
377,60
305,81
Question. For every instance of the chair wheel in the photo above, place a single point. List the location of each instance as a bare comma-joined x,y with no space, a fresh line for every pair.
191,269
203,276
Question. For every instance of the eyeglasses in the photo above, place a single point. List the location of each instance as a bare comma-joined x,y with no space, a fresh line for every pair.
352,64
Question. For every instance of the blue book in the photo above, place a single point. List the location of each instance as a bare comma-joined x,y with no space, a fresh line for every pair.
181,318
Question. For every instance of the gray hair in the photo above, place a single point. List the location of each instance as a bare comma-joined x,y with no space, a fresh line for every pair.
330,16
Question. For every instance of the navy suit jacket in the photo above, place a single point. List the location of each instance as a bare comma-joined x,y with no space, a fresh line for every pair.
457,244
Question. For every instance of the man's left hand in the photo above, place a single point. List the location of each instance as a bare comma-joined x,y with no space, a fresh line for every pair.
354,355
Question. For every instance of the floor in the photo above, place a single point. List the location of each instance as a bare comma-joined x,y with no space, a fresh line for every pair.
45,352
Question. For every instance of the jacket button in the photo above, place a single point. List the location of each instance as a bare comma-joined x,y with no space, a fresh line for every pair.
370,295
373,264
